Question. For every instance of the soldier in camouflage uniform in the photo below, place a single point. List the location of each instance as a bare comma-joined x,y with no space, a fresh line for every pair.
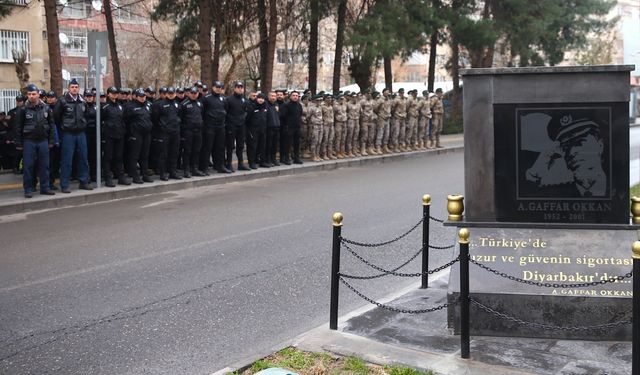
413,112
353,126
328,135
382,109
340,121
437,113
399,115
305,135
314,119
367,125
423,122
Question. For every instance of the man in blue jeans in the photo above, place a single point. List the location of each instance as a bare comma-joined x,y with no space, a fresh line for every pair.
69,114
34,135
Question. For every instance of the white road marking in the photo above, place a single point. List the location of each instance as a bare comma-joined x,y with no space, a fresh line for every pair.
144,257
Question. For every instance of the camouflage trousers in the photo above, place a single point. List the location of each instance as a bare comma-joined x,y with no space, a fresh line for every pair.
352,134
436,127
382,132
397,132
423,129
367,134
315,139
304,136
328,135
410,137
339,136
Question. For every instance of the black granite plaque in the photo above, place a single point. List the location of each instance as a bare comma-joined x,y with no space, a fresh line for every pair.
548,256
562,163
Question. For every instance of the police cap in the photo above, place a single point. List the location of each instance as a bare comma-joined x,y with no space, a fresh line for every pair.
19,98
193,90
139,92
238,84
112,90
163,89
51,94
171,90
89,93
205,88
180,90
150,90
218,84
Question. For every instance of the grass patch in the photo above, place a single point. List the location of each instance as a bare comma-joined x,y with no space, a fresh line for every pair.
635,191
306,363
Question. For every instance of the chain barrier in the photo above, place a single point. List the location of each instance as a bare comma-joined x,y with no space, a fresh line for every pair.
599,327
610,280
395,309
436,219
442,247
379,244
384,273
392,272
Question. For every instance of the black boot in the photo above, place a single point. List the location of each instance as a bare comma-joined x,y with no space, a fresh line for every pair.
122,180
243,167
108,181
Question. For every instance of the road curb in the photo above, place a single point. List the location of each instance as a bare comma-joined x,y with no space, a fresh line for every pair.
78,198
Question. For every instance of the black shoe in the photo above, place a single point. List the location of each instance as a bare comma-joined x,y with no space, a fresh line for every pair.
223,170
242,167
147,179
253,166
108,182
174,176
28,195
53,187
65,190
265,165
229,167
287,162
138,180
297,161
197,173
85,187
275,163
205,172
164,177
187,174
47,192
124,181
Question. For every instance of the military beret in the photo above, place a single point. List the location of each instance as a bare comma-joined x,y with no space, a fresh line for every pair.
73,82
438,90
401,90
318,96
425,92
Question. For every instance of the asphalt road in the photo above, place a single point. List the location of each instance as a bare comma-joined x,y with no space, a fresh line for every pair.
189,282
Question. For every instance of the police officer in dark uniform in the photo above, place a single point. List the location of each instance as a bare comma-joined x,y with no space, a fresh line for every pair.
166,133
235,125
113,133
150,92
272,132
191,132
34,135
13,125
90,132
213,144
180,92
256,131
137,117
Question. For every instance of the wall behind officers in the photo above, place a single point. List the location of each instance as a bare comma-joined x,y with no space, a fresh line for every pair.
112,139
191,111
213,144
235,126
166,134
291,115
69,112
137,118
34,135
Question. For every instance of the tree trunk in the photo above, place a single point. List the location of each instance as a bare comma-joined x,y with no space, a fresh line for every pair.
455,75
217,41
313,45
337,62
111,35
204,41
53,42
433,46
361,72
271,46
264,41
388,74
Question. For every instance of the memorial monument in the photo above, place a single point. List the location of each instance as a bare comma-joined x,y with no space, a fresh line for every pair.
547,202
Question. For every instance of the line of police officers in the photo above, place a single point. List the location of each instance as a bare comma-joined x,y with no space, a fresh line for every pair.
194,130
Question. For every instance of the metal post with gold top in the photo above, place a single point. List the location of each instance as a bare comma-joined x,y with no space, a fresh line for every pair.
426,208
635,351
463,240
335,270
635,210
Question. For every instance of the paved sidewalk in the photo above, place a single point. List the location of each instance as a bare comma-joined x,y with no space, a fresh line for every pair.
12,199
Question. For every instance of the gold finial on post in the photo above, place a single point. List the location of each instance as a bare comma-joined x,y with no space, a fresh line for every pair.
463,235
636,250
455,207
337,219
635,210
426,200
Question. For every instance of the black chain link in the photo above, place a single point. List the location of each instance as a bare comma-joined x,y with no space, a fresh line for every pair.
599,327
442,247
392,272
384,273
436,219
611,279
365,244
396,309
